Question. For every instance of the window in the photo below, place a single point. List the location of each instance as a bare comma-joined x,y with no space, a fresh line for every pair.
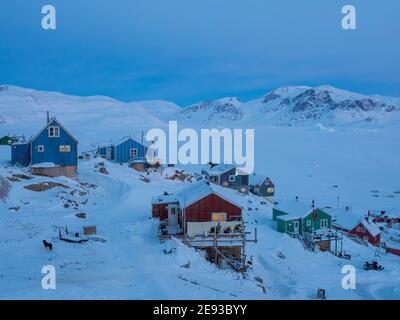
218,216
134,152
270,190
54,132
308,223
324,223
65,148
232,178
40,148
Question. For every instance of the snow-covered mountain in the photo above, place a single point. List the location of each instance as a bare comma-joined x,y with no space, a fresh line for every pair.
300,105
222,110
324,104
288,106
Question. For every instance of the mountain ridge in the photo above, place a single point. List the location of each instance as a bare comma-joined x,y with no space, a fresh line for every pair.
288,106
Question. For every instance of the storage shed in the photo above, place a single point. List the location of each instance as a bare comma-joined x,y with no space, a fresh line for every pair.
20,154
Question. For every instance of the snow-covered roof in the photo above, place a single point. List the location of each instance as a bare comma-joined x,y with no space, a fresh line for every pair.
291,206
164,199
371,227
193,193
257,179
190,195
19,143
105,145
345,219
124,139
294,209
218,169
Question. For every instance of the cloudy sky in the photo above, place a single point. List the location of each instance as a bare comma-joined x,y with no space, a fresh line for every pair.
190,50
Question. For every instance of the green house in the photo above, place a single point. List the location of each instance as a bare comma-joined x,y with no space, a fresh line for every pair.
297,217
6,140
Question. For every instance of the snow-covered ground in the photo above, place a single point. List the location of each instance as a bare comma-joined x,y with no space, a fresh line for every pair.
313,163
351,163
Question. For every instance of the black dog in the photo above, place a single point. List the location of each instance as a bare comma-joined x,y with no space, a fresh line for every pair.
48,245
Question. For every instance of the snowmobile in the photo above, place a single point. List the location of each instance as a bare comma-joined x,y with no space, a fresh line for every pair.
372,266
344,255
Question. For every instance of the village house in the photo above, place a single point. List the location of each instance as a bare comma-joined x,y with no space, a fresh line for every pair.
311,225
53,151
126,150
262,186
6,140
298,217
367,231
227,176
203,218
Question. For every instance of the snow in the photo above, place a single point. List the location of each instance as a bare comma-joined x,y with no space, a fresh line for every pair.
257,179
218,169
371,227
345,219
294,209
355,166
191,194
44,165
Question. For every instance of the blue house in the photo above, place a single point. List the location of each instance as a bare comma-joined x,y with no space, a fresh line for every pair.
127,150
226,175
20,154
53,151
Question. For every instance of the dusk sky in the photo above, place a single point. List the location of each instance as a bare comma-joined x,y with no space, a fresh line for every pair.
191,50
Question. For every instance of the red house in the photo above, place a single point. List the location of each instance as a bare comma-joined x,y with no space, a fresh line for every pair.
368,231
393,250
197,203
205,219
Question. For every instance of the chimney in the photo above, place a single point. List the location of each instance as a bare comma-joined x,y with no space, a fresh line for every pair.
313,204
48,116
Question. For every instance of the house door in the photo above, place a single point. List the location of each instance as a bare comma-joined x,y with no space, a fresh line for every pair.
296,226
173,215
108,153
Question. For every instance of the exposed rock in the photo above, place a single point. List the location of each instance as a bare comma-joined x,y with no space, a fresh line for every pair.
43,186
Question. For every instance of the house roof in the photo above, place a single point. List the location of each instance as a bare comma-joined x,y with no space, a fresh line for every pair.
294,209
164,199
371,227
218,169
124,139
345,219
190,195
53,120
257,179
